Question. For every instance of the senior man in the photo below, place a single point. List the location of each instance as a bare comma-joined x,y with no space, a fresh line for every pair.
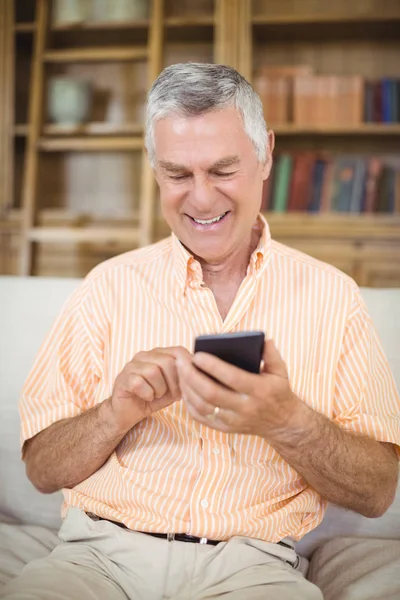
181,486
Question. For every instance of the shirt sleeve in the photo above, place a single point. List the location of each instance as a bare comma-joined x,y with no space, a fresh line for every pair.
67,369
366,399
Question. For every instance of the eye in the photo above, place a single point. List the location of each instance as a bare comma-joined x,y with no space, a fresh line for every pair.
178,177
225,174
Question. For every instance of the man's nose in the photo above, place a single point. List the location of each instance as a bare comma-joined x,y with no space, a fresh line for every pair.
203,195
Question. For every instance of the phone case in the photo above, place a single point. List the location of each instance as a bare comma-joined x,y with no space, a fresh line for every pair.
243,349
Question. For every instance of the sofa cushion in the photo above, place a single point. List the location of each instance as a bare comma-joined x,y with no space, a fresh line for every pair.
357,569
29,305
19,544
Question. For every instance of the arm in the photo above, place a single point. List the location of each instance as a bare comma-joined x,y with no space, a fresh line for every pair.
353,471
349,469
71,450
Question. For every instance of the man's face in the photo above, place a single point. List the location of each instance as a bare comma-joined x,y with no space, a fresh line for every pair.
210,181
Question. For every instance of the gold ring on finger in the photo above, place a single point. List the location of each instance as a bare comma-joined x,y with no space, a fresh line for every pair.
214,413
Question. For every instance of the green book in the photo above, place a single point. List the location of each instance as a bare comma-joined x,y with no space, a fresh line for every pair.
282,182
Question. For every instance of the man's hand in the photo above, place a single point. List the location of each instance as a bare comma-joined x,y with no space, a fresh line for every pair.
148,383
255,404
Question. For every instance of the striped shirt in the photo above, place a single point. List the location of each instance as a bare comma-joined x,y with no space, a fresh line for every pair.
170,473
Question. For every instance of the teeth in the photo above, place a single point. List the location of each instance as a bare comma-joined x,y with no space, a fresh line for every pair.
207,222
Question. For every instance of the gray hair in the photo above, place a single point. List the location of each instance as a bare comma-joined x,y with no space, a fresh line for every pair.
190,89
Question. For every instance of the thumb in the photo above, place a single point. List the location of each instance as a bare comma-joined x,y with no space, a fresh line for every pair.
273,362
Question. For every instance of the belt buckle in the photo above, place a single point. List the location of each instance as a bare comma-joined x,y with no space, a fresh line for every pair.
203,540
170,537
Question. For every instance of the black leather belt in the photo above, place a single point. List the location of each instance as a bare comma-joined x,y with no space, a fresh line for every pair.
179,537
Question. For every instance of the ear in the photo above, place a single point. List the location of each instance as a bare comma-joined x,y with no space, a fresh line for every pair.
268,163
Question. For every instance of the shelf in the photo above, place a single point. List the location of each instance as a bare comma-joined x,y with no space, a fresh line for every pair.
329,27
95,129
90,144
25,27
375,129
21,129
318,18
377,226
102,235
188,21
100,25
86,129
106,54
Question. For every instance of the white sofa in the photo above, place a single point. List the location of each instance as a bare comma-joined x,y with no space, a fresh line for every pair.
351,557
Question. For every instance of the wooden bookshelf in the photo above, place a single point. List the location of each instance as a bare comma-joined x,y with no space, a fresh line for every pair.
74,228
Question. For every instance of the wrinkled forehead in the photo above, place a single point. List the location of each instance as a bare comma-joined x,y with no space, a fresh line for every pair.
208,137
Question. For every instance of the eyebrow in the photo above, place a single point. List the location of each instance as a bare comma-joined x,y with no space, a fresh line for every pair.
227,161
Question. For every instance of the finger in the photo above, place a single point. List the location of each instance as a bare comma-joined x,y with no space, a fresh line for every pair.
152,374
139,387
218,423
230,376
167,363
273,361
166,358
212,392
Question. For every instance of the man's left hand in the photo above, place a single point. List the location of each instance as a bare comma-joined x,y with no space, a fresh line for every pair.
239,402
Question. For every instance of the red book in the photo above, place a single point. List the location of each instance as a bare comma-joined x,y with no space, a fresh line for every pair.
301,182
374,171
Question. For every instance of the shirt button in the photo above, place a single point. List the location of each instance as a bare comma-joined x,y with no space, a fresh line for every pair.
193,266
204,503
216,451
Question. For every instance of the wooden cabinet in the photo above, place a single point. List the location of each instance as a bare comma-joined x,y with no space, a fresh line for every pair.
367,249
80,195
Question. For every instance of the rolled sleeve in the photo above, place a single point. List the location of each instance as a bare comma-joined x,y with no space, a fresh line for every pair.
66,372
366,399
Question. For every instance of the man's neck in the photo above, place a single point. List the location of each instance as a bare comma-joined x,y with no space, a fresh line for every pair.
225,278
233,268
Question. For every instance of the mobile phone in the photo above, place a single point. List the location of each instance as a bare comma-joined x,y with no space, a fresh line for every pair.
244,349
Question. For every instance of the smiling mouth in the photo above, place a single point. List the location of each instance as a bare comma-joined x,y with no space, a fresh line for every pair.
209,221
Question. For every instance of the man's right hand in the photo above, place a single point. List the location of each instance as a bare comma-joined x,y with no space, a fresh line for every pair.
148,383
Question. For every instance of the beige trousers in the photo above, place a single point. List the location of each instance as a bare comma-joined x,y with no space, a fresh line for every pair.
101,561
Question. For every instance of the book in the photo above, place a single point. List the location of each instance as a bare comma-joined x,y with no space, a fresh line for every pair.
350,100
327,186
377,104
387,116
368,102
317,179
282,182
343,184
397,194
274,93
385,201
357,192
370,200
301,183
304,100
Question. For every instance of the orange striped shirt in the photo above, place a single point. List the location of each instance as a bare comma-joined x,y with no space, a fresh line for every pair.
169,473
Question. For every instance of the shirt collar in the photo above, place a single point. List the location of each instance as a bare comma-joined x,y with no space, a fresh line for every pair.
188,270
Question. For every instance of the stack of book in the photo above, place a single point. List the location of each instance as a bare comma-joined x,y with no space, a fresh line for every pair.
382,101
321,183
298,96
